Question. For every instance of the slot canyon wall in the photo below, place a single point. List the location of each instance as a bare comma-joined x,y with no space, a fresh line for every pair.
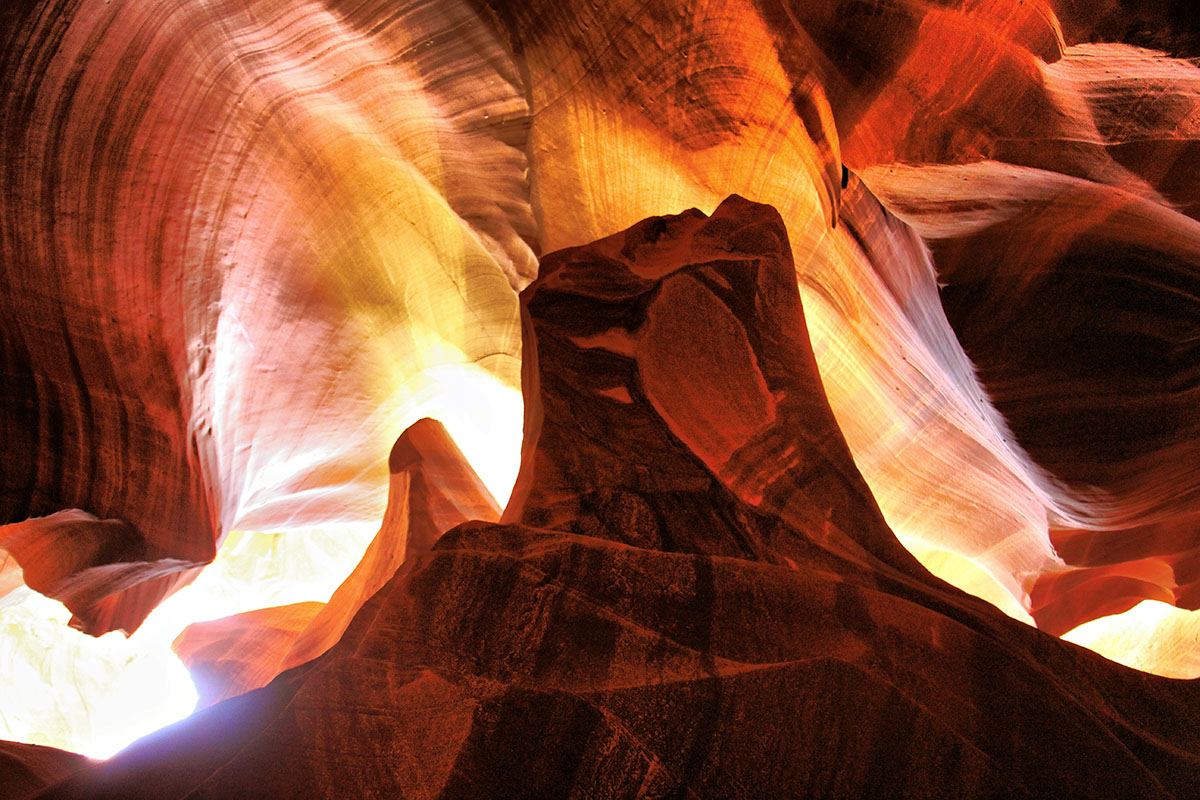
942,333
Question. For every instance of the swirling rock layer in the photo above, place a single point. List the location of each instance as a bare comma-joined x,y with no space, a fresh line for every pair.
282,218
679,630
432,489
1078,304
245,243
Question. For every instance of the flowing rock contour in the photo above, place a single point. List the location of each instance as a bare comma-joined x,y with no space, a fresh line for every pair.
432,489
244,244
27,768
692,594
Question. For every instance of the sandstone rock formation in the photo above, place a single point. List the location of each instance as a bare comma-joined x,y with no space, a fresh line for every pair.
1077,304
26,769
670,608
244,244
432,489
248,246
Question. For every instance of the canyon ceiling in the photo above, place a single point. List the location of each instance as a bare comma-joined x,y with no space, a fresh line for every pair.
787,312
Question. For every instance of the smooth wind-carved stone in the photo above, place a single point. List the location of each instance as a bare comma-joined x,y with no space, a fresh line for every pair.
678,629
245,243
432,489
227,229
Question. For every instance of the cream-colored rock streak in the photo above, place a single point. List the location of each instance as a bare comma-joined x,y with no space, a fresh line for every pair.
246,243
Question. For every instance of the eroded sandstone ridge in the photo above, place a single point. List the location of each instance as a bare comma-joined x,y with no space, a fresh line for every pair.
25,769
432,489
244,244
692,594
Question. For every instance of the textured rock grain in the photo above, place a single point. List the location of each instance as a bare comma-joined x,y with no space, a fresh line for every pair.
650,620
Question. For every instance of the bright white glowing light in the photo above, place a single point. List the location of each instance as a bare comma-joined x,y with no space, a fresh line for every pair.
1151,636
484,417
69,690
94,696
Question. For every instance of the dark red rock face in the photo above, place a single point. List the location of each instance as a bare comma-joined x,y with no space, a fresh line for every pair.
241,240
432,489
692,594
670,364
27,768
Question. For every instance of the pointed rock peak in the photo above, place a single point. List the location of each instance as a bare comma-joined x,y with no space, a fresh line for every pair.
668,368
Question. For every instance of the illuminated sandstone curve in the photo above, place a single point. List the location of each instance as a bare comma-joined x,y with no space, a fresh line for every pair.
683,633
1054,176
244,244
432,489
998,80
615,139
761,106
1078,304
768,98
1067,166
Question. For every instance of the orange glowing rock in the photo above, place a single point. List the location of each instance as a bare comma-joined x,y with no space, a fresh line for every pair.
739,396
264,236
941,462
432,489
709,614
1116,570
1077,302
97,568
245,244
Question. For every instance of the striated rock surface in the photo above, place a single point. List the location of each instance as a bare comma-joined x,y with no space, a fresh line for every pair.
244,244
1077,303
1115,570
432,489
629,357
679,628
228,229
25,769
762,105
1166,25
771,98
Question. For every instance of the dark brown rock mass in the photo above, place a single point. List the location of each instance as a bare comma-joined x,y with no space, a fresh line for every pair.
692,594
26,769
432,489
